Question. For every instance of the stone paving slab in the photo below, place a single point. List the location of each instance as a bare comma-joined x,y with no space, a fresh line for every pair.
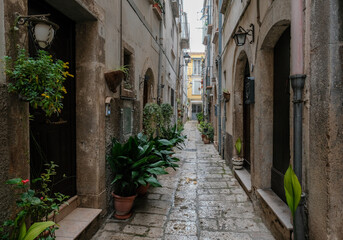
200,201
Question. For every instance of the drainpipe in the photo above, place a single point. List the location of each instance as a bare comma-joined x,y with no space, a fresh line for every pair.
160,65
208,75
220,80
297,78
121,33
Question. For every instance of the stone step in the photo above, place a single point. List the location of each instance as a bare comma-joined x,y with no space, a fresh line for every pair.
78,224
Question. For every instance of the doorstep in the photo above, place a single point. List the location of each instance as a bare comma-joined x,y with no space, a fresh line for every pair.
76,223
244,178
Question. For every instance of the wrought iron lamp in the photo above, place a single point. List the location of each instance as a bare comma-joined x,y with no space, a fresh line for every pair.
41,29
187,58
241,35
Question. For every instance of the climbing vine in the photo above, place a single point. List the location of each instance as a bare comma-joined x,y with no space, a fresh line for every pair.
152,118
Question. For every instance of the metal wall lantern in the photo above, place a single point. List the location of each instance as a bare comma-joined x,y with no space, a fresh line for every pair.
187,58
41,29
241,35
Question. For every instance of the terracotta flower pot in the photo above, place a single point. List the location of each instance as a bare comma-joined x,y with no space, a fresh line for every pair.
113,79
206,140
142,190
123,206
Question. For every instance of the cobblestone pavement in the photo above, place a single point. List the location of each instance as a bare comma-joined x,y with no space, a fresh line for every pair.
201,200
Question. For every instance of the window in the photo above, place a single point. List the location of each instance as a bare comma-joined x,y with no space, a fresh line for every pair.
172,97
196,85
128,63
197,67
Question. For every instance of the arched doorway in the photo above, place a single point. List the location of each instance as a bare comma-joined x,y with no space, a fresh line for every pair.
54,138
242,122
148,89
281,108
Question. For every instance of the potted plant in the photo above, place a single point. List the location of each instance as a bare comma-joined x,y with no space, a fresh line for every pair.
226,95
115,77
132,164
200,117
237,161
207,132
38,80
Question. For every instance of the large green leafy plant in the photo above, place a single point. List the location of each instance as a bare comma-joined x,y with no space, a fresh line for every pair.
174,135
134,163
39,80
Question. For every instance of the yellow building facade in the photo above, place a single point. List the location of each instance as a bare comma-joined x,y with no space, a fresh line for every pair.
194,80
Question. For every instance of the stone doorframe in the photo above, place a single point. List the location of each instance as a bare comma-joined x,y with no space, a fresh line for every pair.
270,32
90,104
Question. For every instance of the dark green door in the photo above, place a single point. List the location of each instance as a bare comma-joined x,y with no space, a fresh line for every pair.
281,135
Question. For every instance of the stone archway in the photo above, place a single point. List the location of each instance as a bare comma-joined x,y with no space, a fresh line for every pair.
148,87
242,112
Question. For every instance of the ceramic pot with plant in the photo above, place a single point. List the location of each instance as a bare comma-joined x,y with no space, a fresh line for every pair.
133,164
115,77
238,161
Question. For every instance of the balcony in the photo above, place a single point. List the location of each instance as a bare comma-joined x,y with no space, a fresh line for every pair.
175,8
184,31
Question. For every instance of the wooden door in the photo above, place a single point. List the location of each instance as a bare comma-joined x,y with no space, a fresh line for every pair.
281,135
246,122
53,138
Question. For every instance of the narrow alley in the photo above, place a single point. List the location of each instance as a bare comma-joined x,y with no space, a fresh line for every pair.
201,200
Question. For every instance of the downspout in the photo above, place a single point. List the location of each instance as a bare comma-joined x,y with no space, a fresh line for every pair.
297,78
159,65
208,64
220,80
121,33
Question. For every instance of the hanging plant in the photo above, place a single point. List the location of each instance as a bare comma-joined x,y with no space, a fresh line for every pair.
38,80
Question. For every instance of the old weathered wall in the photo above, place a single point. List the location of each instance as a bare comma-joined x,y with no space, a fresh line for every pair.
14,133
325,191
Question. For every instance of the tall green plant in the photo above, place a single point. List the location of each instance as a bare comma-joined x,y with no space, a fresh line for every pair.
292,189
238,146
152,118
167,113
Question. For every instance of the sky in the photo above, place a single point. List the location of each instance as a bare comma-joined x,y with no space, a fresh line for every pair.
193,10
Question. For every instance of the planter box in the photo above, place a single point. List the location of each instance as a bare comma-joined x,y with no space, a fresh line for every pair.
157,10
226,96
113,79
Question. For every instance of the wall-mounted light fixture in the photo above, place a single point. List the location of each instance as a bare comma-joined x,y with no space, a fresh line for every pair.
108,106
241,35
41,29
187,58
143,79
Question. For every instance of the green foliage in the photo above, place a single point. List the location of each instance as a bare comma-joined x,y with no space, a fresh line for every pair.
167,113
200,117
238,146
206,129
38,80
34,231
152,118
136,162
174,135
292,189
34,205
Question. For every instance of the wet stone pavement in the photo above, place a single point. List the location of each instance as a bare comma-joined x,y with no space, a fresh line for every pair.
201,200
